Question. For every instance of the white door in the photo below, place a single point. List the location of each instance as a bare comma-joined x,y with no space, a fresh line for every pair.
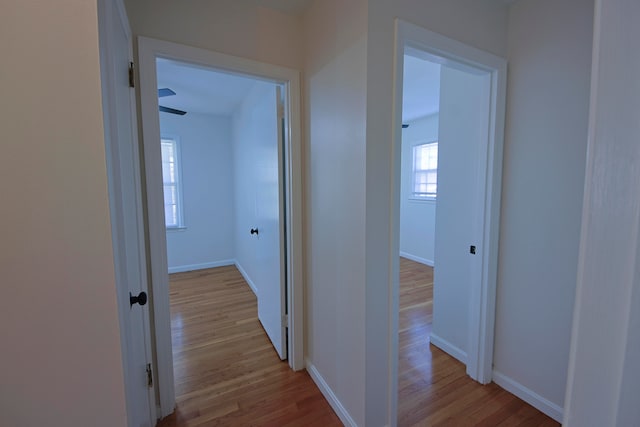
123,168
463,132
270,219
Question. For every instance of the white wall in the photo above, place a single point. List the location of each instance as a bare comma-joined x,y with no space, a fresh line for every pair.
236,27
604,376
254,122
464,115
61,357
342,54
480,23
544,163
335,82
257,204
205,143
417,217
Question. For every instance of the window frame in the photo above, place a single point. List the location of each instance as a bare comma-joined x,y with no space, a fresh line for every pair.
180,226
412,193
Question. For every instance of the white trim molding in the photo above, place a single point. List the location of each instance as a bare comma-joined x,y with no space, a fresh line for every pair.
448,348
424,261
328,394
202,266
529,396
112,18
603,382
247,278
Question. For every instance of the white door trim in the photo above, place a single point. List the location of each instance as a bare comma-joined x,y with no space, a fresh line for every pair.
148,50
108,70
482,308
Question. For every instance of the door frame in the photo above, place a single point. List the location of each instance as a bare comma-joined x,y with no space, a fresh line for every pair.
148,50
483,299
108,70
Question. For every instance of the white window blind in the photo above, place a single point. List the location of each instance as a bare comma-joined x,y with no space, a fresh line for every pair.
171,182
425,171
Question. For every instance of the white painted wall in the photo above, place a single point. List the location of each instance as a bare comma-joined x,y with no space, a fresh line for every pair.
236,27
254,141
604,376
61,355
544,161
417,217
244,196
335,82
256,190
463,130
480,23
333,62
248,122
205,145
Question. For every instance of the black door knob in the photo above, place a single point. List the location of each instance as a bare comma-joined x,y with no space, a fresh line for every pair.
140,299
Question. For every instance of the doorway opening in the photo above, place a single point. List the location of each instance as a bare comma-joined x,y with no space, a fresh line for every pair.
221,145
221,154
450,101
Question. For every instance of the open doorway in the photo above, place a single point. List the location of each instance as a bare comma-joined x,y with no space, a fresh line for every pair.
221,151
449,168
418,198
244,163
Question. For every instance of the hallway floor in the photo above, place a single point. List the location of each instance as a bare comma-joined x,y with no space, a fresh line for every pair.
228,374
433,388
226,371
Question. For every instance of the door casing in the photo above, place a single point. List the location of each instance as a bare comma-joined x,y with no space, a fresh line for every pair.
148,51
112,16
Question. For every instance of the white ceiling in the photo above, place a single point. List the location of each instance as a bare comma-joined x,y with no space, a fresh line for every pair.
421,88
201,90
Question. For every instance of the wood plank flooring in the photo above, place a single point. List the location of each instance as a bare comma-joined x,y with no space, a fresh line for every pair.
433,388
228,374
226,371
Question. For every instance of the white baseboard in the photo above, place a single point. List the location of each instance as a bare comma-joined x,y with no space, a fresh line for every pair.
247,278
192,267
529,396
417,259
330,396
448,348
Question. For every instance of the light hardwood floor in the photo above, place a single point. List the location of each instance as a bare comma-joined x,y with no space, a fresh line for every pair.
433,388
227,373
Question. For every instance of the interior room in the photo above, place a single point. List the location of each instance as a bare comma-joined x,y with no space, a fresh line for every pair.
438,196
220,137
418,191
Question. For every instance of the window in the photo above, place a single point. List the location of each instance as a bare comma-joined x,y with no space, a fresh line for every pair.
425,171
171,181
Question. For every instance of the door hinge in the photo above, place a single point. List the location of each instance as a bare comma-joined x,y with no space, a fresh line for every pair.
285,321
149,375
132,79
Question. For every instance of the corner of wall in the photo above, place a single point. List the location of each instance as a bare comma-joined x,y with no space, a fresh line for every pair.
328,393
